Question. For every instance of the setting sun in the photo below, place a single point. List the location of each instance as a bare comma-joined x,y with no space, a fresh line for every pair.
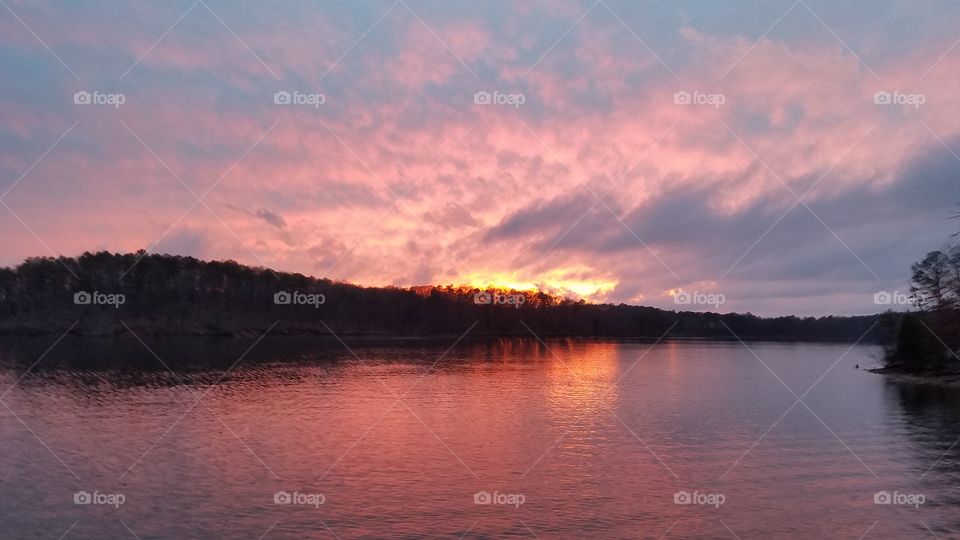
563,282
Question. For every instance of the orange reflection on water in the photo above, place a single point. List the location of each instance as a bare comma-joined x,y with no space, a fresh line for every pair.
581,380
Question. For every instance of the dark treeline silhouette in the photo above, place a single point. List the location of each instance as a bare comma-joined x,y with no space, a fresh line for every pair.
174,295
927,339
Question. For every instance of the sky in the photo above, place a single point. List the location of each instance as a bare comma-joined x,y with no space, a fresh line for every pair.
753,156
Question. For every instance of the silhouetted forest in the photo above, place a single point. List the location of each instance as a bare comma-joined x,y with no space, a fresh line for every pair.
927,339
165,294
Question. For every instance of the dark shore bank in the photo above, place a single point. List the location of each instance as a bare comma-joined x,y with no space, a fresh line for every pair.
105,294
949,379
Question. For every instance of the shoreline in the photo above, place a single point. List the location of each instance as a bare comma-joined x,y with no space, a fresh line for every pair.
6,333
948,380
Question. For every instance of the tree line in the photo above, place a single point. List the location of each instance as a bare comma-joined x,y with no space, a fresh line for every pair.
104,293
927,339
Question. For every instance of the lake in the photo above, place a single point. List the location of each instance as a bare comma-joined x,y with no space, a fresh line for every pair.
297,437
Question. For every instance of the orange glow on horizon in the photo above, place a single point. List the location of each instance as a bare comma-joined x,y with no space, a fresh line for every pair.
578,283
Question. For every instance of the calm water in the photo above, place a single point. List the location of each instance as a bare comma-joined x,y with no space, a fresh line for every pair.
572,439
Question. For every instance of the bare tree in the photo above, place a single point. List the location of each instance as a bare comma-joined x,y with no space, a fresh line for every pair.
930,281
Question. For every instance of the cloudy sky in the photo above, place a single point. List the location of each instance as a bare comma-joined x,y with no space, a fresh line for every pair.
616,150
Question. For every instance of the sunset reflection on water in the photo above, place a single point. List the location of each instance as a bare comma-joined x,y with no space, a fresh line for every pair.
597,437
